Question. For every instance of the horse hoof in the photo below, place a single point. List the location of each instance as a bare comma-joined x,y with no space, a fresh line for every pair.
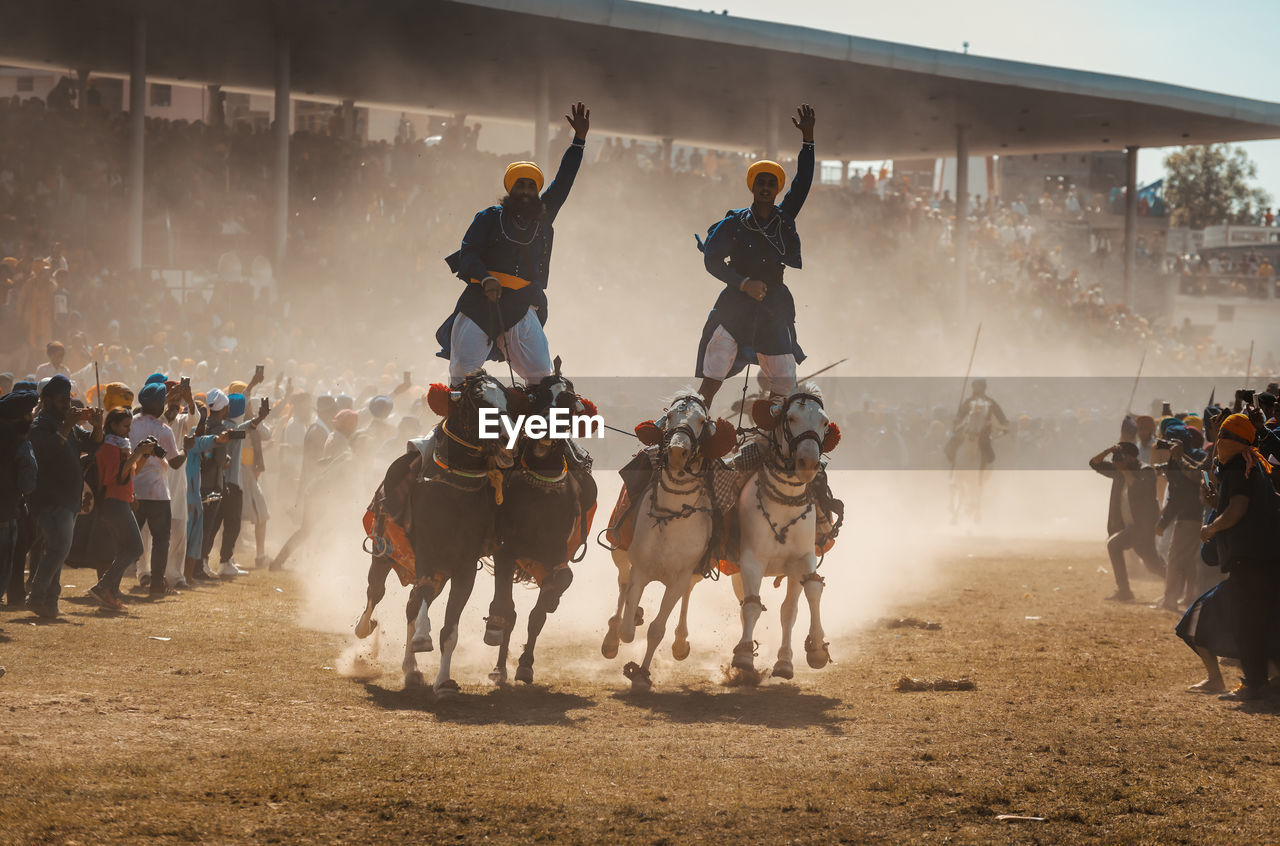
639,677
422,643
818,656
447,689
783,670
744,657
609,648
365,627
680,650
492,635
498,675
414,680
524,674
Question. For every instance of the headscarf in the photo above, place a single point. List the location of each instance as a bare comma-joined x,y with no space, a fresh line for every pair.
153,393
765,166
1165,424
116,395
1239,428
216,400
16,404
1192,421
346,422
154,378
57,386
237,387
1128,428
522,170
380,407
235,406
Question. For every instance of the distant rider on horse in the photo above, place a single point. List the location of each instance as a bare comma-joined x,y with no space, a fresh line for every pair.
984,437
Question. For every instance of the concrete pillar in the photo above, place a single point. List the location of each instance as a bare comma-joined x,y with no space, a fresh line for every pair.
137,134
82,90
1130,224
348,119
960,236
282,127
541,115
844,173
667,144
771,132
216,114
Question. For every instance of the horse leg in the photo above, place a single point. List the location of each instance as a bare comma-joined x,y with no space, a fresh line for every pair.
498,675
378,570
680,648
502,611
815,646
635,589
609,648
549,595
460,585
418,600
640,678
422,629
752,574
783,668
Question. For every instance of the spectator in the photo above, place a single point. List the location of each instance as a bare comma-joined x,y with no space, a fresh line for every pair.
114,523
58,443
151,482
1131,517
17,471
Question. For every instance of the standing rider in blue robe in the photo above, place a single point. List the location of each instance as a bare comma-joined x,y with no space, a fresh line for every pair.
754,317
505,260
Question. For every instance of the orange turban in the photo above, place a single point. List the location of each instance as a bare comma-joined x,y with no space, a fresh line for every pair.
237,388
116,395
765,166
1240,426
1241,429
522,170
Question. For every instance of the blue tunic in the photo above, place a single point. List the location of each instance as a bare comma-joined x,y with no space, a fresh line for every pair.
739,248
494,243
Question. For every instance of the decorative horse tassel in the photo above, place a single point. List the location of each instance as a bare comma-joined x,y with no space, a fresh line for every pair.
495,479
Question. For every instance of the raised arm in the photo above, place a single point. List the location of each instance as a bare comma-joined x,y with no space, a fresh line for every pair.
557,192
799,191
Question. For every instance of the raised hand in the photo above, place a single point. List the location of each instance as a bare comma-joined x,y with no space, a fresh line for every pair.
804,120
579,119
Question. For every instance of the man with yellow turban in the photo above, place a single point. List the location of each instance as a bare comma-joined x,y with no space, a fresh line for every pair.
754,317
505,260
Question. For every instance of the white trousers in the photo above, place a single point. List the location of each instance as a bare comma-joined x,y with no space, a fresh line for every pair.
779,370
524,345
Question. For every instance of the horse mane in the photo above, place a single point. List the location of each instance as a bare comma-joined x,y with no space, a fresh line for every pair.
809,388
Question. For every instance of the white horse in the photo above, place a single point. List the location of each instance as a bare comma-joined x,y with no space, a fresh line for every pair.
968,470
672,530
778,525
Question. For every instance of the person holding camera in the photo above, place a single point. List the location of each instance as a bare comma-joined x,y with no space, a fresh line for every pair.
1131,517
58,443
116,461
152,506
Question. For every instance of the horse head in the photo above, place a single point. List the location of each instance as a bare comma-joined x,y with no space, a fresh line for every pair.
799,430
461,405
554,391
687,434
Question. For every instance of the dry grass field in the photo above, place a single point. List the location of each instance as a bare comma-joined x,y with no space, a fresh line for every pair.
238,730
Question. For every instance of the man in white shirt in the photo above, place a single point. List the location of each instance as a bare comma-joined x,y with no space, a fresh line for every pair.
151,481
181,423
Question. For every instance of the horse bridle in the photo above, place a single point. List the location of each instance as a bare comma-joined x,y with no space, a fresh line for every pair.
694,440
793,441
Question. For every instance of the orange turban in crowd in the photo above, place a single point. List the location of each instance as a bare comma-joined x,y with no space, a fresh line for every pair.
116,395
237,387
1191,421
522,170
765,166
1240,429
346,422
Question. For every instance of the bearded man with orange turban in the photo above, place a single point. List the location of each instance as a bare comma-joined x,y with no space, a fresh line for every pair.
505,260
754,318
1246,529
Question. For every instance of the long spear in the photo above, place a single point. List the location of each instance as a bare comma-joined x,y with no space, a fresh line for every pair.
823,370
965,386
97,383
1134,392
1248,369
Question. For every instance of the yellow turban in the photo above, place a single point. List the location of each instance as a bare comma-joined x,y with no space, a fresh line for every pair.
522,170
765,166
237,387
116,395
1193,422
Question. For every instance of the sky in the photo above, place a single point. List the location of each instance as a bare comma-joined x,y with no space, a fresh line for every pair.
1221,47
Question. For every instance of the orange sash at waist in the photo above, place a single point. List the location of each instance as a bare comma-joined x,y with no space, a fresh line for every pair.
508,281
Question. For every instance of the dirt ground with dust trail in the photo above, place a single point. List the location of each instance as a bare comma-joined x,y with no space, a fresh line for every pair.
238,729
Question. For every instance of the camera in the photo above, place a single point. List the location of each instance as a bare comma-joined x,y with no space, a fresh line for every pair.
1161,443
1245,396
159,452
237,434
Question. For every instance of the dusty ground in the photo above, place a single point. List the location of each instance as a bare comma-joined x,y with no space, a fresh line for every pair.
237,729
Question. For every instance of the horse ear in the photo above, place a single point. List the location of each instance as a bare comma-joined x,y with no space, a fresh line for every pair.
762,414
723,441
556,364
649,433
832,439
438,399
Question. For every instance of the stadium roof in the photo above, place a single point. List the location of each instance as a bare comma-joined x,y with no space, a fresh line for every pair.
646,70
